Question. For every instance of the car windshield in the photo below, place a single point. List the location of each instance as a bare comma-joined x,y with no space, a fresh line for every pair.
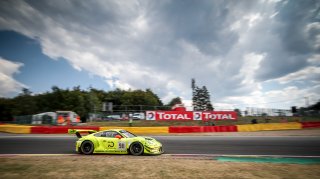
127,134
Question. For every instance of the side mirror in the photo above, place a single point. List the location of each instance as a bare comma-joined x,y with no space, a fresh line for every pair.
118,136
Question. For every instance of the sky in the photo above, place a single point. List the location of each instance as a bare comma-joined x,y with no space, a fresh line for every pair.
248,53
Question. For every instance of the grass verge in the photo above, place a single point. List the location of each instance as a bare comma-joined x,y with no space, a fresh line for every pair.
123,166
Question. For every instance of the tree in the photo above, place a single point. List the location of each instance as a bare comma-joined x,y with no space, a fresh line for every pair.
207,102
140,100
200,98
238,112
24,103
80,101
174,101
6,109
93,104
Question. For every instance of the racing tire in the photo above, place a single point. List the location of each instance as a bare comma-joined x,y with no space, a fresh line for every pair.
136,148
87,147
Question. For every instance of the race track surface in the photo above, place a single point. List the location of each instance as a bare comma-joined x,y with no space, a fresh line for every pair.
219,145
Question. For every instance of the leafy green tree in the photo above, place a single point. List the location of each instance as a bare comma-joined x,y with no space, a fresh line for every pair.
174,101
140,100
93,102
24,103
6,107
155,97
77,100
114,97
238,112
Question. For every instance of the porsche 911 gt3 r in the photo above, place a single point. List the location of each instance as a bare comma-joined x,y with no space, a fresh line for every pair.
115,141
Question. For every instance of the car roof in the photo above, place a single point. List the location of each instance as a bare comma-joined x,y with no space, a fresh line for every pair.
118,130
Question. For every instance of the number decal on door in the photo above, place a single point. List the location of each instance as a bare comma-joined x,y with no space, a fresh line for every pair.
121,146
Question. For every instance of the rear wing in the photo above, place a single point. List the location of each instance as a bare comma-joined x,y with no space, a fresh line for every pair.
78,131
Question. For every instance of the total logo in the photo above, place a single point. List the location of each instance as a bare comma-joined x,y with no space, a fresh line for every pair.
150,115
197,116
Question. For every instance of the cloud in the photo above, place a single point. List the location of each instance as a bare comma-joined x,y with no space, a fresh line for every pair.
7,82
290,38
312,74
232,47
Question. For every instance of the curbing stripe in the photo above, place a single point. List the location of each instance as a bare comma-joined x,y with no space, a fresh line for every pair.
17,129
310,124
269,127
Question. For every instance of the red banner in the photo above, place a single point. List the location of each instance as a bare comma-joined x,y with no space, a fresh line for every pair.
191,115
169,115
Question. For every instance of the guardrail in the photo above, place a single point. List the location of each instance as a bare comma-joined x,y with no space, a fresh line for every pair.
20,129
191,129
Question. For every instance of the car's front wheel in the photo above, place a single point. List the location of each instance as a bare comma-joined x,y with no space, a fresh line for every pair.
136,148
87,147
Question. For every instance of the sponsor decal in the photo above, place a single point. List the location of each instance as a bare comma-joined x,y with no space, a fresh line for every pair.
189,115
219,115
121,145
150,115
110,144
197,115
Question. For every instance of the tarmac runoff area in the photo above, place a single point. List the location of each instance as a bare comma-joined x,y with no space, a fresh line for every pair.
261,158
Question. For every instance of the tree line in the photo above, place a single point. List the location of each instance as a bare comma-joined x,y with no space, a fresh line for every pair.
93,100
80,101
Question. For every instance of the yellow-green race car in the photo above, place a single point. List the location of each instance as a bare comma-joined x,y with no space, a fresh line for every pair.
115,141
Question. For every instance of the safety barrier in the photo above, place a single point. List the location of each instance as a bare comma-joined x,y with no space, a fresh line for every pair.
191,129
58,129
141,130
310,124
17,129
269,127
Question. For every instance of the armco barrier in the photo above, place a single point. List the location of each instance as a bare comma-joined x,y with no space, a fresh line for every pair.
140,130
17,129
191,129
58,129
269,126
310,124
184,129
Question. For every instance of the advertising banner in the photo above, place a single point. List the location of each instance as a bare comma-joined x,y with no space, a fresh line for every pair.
219,115
191,115
169,115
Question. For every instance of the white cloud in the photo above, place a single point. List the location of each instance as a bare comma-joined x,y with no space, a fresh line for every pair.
276,99
253,19
311,74
314,60
232,47
7,82
250,66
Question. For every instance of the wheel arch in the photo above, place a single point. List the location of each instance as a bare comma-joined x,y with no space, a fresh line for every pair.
85,141
134,142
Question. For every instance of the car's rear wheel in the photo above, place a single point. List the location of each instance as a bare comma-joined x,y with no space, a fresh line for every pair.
87,147
136,148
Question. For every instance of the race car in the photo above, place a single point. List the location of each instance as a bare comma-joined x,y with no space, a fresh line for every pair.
115,141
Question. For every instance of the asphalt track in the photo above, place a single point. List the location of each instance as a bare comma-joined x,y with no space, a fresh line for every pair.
213,145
